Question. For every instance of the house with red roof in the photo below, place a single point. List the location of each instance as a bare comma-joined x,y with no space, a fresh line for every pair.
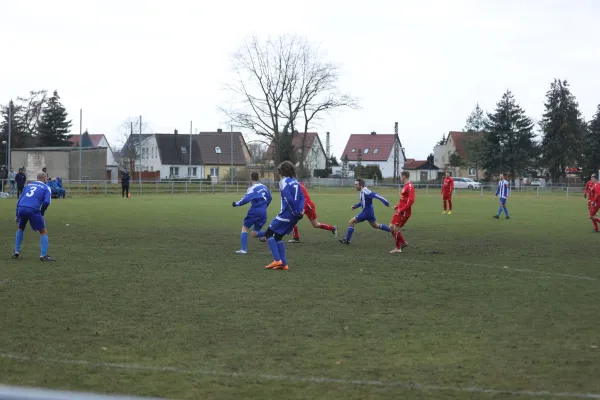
98,141
310,145
457,143
421,170
375,149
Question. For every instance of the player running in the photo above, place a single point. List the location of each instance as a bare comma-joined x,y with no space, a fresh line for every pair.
447,190
32,205
310,211
594,201
588,187
368,211
259,197
503,187
292,211
403,212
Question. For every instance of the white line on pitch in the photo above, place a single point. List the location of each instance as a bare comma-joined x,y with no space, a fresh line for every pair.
268,377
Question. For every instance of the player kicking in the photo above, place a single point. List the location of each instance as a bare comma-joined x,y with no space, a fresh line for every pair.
292,211
259,197
403,212
594,202
447,190
310,211
502,191
587,191
367,213
32,205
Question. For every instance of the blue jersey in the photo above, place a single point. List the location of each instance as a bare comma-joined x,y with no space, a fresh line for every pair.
502,189
36,196
292,199
366,200
258,196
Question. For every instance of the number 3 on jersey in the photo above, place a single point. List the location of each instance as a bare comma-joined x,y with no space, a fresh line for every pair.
31,191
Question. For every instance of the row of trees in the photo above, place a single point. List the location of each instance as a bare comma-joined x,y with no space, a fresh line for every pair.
36,120
508,142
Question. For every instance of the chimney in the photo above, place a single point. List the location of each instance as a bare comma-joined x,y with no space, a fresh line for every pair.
373,133
220,130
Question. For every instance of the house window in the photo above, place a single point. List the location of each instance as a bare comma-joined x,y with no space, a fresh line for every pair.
183,150
214,172
174,171
192,171
375,151
472,172
353,150
366,150
151,169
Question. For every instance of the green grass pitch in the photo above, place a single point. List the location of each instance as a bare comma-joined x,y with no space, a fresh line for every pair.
149,298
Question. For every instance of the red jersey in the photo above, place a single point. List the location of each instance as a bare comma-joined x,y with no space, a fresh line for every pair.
448,186
588,188
305,193
594,193
407,198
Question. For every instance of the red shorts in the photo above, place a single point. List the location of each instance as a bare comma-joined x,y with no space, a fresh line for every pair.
594,210
446,196
400,220
310,211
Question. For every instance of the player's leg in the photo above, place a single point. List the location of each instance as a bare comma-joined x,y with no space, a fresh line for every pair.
21,225
445,202
382,227
296,234
272,242
281,249
505,209
38,224
450,204
243,240
355,220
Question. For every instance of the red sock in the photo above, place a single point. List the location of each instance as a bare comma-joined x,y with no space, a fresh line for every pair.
399,239
444,205
450,204
595,222
296,233
325,227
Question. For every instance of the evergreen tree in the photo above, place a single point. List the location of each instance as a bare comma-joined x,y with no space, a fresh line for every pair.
430,158
476,120
442,141
54,127
563,130
592,145
358,169
508,144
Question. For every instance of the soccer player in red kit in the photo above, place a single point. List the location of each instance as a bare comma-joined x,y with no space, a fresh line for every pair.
594,202
403,212
310,211
447,190
588,187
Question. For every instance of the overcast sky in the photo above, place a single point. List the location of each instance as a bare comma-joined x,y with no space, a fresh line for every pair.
423,63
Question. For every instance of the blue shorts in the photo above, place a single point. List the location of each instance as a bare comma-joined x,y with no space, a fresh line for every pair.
31,216
503,201
365,216
255,220
283,227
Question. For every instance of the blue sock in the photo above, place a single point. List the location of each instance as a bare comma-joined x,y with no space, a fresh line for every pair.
500,210
384,227
244,240
19,240
349,233
260,234
506,211
274,249
281,248
44,245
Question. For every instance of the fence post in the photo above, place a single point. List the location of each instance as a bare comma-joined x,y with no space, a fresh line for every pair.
156,187
567,192
427,189
88,188
186,185
481,190
225,186
105,188
200,186
172,186
537,192
237,187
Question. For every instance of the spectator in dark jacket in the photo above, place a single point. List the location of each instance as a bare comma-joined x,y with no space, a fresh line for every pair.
21,179
124,183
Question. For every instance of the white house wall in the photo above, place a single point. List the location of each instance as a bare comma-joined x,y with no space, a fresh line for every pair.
316,159
110,157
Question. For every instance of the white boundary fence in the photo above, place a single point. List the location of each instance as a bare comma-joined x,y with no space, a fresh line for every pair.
99,188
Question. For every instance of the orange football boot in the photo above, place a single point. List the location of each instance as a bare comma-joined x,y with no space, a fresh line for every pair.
274,265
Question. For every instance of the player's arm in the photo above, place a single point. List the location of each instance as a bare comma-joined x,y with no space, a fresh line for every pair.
47,201
357,205
374,195
294,202
497,191
451,185
269,198
246,199
409,203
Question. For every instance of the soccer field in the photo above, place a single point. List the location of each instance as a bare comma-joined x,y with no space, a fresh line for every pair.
148,297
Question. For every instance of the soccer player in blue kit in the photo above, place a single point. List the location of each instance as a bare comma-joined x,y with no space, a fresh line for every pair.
259,197
292,211
368,211
31,207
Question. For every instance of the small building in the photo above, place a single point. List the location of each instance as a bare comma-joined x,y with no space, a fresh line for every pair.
458,143
307,146
422,170
375,149
99,141
62,162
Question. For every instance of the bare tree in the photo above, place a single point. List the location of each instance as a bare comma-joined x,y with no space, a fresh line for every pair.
283,84
130,142
258,151
28,113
